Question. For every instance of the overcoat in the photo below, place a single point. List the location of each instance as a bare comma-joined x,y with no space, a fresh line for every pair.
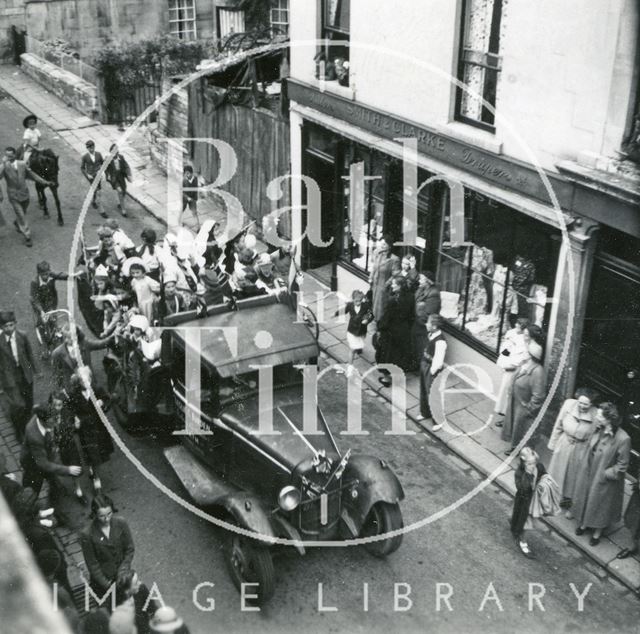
394,340
8,380
105,556
427,302
599,490
525,487
526,397
569,442
383,268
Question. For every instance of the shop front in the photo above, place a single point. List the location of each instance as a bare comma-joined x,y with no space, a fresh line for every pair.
506,267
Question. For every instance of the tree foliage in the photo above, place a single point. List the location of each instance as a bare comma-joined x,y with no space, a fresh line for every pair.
132,63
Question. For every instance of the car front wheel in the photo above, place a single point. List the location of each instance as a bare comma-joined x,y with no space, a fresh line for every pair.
383,518
250,562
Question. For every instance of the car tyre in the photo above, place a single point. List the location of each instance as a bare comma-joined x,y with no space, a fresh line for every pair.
249,562
383,517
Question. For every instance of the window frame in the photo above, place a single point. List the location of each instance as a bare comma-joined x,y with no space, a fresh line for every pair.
175,24
490,61
329,32
279,7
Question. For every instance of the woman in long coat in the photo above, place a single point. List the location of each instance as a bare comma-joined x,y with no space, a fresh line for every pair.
600,482
385,265
526,397
569,441
394,329
527,476
427,302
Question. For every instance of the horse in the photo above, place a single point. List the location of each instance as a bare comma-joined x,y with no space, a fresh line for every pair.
44,163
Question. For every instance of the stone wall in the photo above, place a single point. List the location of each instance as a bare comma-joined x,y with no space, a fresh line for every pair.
11,14
74,91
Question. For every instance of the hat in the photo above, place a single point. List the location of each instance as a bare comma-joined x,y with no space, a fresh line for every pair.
122,620
250,241
28,118
101,271
264,260
89,142
165,620
535,350
105,232
129,262
139,321
7,316
170,276
210,279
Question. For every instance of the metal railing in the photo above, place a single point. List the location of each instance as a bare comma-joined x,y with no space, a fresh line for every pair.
61,59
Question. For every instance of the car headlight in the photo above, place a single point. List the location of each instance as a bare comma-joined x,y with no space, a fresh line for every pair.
289,498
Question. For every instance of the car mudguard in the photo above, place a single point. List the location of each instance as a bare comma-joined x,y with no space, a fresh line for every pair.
376,483
248,512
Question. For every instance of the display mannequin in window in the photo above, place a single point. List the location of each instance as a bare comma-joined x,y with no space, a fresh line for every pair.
385,264
523,273
481,266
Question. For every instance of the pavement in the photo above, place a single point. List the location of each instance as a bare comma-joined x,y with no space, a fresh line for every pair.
469,438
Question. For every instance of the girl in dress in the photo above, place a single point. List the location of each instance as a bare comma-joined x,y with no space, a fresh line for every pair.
145,288
360,316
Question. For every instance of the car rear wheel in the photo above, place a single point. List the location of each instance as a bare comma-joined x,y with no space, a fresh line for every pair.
383,518
249,562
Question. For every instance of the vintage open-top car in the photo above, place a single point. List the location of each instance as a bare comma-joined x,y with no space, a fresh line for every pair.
285,484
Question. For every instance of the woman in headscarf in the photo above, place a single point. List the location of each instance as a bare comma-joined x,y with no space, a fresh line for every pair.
528,390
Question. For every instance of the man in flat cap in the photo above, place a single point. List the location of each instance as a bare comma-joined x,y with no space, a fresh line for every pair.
17,369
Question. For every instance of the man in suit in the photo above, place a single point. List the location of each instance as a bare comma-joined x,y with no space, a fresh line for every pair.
40,458
90,166
15,174
17,369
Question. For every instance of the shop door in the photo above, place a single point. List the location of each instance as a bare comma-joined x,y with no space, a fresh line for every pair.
322,169
611,341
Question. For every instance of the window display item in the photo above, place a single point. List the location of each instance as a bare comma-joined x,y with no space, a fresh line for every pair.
538,299
523,272
481,263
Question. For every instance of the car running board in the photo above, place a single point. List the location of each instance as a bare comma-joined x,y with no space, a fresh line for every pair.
204,488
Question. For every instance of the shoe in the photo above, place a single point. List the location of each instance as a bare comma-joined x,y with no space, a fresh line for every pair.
28,242
94,205
119,207
508,452
524,549
420,417
384,381
499,423
437,427
104,214
580,531
124,213
594,541
569,515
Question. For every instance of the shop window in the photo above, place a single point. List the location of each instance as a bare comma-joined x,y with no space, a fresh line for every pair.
479,61
506,271
230,21
182,19
279,16
333,58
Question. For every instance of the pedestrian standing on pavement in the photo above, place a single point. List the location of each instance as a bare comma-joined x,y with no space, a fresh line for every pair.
632,522
107,545
431,365
599,489
394,330
526,396
118,173
385,265
15,174
31,137
17,370
90,165
514,352
40,458
190,192
529,472
360,316
569,442
427,302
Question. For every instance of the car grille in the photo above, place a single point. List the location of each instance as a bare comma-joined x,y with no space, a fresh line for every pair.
311,514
